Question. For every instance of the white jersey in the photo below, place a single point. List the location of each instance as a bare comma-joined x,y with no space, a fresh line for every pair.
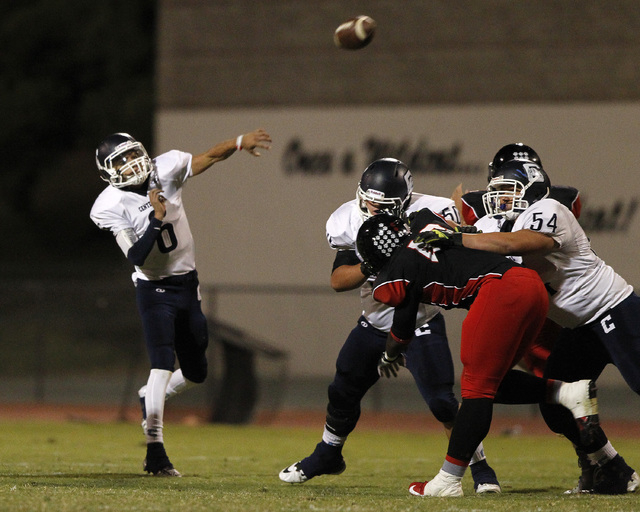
342,231
581,286
492,224
117,210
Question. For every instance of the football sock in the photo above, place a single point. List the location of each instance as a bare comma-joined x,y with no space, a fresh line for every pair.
454,467
603,455
553,391
154,404
177,384
478,455
331,439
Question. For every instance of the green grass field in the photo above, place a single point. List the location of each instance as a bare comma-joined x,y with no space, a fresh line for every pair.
49,466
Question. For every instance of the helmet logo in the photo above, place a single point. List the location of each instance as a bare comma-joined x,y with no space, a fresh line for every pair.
388,238
533,172
521,155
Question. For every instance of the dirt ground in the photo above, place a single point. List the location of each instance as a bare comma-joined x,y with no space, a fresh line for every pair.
501,425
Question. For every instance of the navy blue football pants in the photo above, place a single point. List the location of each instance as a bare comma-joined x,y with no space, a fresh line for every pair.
583,353
428,359
174,325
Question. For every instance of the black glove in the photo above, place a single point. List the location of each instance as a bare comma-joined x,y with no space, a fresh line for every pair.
437,238
412,217
367,270
389,367
468,229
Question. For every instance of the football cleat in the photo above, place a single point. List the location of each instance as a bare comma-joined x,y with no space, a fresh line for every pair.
488,489
157,462
615,477
485,480
442,485
581,399
294,474
325,460
585,481
168,470
581,488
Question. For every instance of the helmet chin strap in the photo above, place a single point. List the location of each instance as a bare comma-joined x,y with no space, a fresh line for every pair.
512,215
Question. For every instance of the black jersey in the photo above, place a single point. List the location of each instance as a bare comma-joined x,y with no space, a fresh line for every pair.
448,277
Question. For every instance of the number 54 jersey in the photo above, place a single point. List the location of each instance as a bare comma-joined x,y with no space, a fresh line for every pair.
117,210
581,286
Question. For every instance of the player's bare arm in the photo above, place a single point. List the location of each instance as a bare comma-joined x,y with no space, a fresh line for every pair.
249,142
347,277
516,243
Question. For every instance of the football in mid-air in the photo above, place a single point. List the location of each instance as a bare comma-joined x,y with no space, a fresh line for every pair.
355,33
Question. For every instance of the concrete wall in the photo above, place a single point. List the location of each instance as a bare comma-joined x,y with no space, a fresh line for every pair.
259,223
241,53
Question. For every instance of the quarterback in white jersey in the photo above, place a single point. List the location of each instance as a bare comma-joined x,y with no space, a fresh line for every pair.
142,207
597,307
126,214
386,185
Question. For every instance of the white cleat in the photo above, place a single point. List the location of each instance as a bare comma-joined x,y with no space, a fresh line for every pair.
443,485
293,474
488,489
633,483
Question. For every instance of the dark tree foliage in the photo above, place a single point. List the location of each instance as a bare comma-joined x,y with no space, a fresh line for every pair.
72,72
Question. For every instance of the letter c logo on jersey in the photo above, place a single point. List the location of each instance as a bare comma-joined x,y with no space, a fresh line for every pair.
607,324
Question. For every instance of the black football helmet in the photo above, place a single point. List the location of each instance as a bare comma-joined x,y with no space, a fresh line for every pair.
122,161
379,237
388,183
515,151
514,187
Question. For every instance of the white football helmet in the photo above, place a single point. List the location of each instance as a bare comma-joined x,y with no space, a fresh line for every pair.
123,161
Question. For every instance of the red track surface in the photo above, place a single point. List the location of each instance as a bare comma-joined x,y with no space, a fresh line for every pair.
526,425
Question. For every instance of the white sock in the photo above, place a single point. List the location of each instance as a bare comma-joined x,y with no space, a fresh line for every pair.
478,455
154,403
603,455
332,439
553,396
177,384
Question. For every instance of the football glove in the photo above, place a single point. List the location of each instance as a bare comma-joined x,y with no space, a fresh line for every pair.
389,367
437,238
412,217
367,269
441,238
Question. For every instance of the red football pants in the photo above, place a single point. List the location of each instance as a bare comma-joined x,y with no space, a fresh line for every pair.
503,322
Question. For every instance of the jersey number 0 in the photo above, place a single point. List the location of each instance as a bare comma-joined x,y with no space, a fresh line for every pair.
167,240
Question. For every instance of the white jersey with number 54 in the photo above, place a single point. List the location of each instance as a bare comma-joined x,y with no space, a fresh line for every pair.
581,286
